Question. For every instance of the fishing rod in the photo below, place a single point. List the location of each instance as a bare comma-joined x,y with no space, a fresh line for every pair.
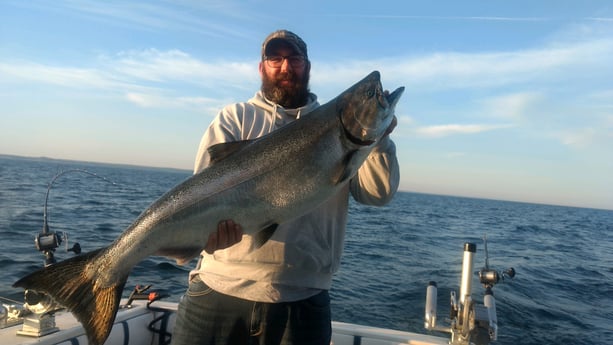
470,322
47,241
37,314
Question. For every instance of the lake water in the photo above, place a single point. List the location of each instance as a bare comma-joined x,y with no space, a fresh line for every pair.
562,294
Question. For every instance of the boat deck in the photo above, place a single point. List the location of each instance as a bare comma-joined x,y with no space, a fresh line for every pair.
132,328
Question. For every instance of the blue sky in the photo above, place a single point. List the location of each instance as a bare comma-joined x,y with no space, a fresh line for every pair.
503,100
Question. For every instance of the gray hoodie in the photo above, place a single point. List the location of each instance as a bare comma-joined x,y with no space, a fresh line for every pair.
300,258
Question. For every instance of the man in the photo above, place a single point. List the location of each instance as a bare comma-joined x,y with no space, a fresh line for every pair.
277,294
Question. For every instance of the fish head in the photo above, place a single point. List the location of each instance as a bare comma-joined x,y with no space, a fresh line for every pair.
366,111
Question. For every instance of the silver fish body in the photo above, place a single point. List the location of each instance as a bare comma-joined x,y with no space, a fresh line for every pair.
259,184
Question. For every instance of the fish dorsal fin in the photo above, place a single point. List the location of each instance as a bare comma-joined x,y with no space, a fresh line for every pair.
219,152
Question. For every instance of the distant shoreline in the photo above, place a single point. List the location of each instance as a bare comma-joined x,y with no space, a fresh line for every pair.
134,166
71,161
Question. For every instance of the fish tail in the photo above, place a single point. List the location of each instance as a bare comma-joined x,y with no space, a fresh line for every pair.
67,283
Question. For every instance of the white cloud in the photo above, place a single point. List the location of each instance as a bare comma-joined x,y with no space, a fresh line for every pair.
601,19
438,71
175,78
452,70
135,72
151,16
511,106
146,101
603,95
405,120
152,65
153,100
464,18
453,129
577,138
64,76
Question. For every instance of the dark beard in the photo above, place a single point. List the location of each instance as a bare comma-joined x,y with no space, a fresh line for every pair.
287,97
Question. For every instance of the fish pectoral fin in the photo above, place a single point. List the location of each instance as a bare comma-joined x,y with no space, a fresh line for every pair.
219,152
93,305
345,169
264,235
343,176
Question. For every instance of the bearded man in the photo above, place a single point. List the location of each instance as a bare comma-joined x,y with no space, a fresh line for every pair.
278,293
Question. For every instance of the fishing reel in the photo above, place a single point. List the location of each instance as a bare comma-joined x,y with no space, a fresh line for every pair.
471,322
47,241
488,278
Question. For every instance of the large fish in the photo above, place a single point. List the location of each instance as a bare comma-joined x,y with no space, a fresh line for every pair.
258,183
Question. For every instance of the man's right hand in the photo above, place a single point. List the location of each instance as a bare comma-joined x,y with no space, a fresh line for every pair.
228,233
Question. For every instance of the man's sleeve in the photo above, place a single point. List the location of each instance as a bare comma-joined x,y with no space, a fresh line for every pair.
377,179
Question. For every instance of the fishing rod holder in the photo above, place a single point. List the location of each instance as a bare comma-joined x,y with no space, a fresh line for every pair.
140,293
10,315
39,314
470,322
36,314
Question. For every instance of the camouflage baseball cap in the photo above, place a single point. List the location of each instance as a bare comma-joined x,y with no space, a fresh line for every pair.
291,38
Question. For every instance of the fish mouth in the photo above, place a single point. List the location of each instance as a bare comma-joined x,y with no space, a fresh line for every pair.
387,101
392,98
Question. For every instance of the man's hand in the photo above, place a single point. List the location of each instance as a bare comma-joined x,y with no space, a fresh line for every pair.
228,233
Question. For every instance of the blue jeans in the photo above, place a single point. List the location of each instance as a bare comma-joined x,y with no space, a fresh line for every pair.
206,317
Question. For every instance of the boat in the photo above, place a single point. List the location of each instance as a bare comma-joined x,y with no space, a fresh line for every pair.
142,323
145,318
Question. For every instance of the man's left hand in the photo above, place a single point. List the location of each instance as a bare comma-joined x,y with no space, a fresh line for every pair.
228,233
